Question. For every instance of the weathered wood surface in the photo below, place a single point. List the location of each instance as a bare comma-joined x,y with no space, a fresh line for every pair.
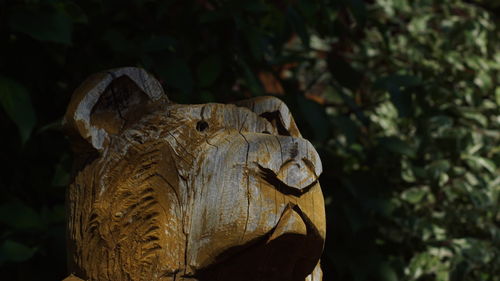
165,191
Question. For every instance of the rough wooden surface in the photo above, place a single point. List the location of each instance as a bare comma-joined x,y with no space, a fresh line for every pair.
164,191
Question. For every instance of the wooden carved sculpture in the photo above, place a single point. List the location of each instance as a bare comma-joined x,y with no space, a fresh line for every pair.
165,191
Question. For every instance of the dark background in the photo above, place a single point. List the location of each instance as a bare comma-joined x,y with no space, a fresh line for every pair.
401,99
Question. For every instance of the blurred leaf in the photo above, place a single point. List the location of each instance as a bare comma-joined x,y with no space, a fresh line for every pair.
387,273
427,263
440,123
56,126
62,172
208,70
474,116
44,25
11,251
56,215
415,195
437,168
476,162
20,216
16,101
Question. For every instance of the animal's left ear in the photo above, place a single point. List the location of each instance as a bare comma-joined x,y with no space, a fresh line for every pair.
110,101
275,111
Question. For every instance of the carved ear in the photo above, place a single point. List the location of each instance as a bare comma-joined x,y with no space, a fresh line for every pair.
275,111
108,102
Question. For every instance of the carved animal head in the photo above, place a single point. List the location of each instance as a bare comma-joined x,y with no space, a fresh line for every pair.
166,191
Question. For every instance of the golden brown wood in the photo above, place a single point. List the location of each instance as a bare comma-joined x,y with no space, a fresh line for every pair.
164,191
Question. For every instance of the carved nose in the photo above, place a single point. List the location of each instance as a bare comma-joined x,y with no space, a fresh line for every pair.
298,174
294,168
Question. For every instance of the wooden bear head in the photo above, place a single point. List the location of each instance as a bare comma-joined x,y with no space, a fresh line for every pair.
166,191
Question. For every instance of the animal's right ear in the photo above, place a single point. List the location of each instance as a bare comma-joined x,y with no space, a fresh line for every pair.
110,101
275,111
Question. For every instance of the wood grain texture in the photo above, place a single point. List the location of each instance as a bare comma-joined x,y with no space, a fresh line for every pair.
164,191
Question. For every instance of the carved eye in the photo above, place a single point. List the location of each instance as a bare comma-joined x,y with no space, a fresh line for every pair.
201,126
266,132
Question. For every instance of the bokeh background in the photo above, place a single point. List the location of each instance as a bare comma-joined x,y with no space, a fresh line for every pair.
401,99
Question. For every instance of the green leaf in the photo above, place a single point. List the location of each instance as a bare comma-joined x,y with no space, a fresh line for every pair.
415,195
20,216
61,175
387,273
56,125
15,252
208,70
476,117
44,25
56,215
437,168
16,101
477,162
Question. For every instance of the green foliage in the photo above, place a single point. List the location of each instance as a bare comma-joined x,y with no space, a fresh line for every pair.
14,252
431,148
16,102
401,98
